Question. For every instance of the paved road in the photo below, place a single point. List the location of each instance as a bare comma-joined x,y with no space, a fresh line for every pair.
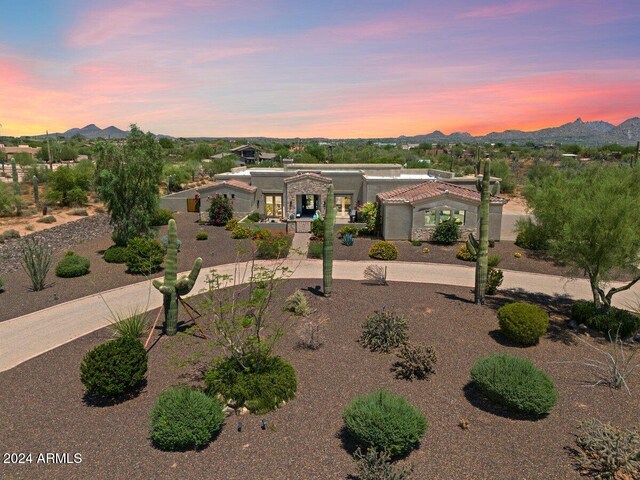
28,336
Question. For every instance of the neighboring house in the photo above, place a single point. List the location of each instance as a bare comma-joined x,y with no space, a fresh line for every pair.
21,149
251,155
295,192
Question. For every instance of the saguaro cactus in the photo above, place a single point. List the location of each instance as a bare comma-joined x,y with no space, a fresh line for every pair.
482,246
16,187
172,287
36,194
327,244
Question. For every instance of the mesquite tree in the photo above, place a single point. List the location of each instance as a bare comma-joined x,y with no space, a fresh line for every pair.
327,244
591,218
127,180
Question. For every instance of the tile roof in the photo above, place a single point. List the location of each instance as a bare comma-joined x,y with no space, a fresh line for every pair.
433,188
234,184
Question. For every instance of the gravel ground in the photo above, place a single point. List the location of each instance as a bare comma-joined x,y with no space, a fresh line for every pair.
17,298
43,411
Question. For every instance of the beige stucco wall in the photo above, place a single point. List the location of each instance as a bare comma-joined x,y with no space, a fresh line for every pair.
243,202
396,221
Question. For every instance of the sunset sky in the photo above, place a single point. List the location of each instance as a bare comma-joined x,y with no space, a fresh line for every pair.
331,68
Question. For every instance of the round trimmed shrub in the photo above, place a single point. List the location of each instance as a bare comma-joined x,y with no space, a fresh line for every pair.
523,323
231,224
240,231
144,255
114,368
383,250
352,229
183,418
583,310
202,236
317,228
514,383
261,387
384,421
115,254
446,233
72,265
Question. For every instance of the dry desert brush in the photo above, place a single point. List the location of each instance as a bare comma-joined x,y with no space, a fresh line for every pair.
374,465
415,361
376,274
606,452
383,331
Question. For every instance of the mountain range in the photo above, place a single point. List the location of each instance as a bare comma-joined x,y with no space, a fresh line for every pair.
586,133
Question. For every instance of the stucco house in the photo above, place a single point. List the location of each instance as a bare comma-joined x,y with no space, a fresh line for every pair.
412,201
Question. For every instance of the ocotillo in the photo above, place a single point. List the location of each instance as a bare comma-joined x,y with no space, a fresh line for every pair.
172,287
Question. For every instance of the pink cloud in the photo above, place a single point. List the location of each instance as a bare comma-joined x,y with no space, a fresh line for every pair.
509,9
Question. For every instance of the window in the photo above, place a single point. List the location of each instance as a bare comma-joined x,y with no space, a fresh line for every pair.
273,205
435,216
233,195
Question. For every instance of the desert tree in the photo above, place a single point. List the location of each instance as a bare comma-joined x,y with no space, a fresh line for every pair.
591,216
127,180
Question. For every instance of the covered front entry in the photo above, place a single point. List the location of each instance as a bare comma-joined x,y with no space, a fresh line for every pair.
307,205
305,194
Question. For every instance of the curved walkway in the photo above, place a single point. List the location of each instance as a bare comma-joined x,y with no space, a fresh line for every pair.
28,336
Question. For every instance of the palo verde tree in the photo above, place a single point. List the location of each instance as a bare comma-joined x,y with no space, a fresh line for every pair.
127,180
591,217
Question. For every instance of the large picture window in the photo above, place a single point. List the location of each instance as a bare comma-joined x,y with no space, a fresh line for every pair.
273,205
435,216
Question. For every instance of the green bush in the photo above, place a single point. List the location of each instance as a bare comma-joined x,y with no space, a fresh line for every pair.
523,323
114,368
315,249
463,253
1,284
417,243
260,387
202,235
183,418
531,236
144,255
446,233
11,234
494,280
72,265
383,331
220,210
261,234
240,231
616,323
274,246
383,250
378,466
115,254
317,228
352,229
79,212
47,219
161,217
514,383
254,217
132,324
582,311
385,422
231,224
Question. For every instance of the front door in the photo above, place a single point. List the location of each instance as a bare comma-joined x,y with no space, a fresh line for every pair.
309,205
343,206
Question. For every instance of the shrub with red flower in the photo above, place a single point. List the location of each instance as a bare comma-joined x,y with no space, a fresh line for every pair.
220,211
